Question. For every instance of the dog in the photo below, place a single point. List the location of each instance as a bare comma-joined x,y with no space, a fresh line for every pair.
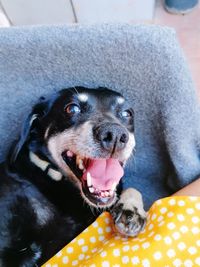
63,171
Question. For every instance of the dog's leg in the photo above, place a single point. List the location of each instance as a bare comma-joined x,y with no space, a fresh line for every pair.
128,213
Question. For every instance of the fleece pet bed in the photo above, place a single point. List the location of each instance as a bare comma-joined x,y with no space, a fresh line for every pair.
145,63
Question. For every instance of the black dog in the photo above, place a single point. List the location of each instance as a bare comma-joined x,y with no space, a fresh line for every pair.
65,167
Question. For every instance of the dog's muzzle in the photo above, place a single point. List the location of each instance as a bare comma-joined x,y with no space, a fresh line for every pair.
100,176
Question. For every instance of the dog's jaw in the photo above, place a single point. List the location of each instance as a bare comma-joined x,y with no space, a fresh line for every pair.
58,147
108,204
56,175
77,146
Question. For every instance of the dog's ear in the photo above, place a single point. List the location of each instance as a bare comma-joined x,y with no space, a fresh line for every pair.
38,111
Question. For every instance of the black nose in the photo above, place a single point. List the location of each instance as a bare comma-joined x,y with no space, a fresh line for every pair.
112,136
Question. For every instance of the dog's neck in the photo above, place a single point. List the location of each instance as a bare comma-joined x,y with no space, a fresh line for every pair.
45,166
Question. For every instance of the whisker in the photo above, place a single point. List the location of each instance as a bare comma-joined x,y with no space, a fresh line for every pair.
76,90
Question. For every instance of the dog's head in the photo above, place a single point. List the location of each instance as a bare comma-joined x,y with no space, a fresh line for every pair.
87,134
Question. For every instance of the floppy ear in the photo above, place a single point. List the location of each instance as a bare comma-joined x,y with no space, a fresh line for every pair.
37,112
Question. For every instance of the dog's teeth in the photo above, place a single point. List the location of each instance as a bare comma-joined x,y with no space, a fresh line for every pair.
103,194
91,189
96,190
113,187
70,153
107,194
77,160
111,191
89,179
81,166
79,163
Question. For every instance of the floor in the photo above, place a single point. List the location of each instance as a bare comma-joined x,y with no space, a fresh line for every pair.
186,26
188,32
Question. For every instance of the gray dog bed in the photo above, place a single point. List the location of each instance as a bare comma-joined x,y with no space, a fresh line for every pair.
144,63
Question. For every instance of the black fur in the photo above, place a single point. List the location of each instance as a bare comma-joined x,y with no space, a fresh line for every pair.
26,238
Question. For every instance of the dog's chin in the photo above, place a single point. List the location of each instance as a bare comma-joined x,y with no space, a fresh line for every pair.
97,201
93,194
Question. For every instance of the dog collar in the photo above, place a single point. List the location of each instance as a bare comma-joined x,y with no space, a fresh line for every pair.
45,166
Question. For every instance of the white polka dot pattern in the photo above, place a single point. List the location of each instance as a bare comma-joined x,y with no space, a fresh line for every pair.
171,238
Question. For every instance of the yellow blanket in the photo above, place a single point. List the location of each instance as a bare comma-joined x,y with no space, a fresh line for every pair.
170,238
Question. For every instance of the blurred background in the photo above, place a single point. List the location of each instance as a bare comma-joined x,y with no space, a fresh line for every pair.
32,12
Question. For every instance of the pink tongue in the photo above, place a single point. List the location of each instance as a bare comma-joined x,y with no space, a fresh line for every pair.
104,173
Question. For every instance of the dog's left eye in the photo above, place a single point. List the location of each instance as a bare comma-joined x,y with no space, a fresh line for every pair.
72,109
126,113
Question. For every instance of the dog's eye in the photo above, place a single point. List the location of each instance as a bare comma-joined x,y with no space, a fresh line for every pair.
72,109
126,113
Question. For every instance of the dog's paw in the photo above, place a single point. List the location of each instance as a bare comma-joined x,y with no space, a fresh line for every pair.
128,213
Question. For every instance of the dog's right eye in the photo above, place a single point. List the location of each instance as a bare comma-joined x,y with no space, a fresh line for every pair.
72,109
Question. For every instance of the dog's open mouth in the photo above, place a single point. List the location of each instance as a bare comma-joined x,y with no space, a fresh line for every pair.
99,177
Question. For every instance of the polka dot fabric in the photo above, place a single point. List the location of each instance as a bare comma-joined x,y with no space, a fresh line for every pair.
170,238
